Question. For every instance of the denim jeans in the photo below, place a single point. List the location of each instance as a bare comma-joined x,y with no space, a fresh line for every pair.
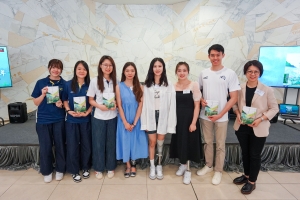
47,134
79,146
104,144
252,147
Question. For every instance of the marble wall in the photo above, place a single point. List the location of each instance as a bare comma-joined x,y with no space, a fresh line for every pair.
38,30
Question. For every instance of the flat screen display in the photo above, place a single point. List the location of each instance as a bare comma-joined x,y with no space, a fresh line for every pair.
5,76
289,109
281,66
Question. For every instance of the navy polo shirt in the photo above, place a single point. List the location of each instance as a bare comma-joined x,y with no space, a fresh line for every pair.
48,113
68,95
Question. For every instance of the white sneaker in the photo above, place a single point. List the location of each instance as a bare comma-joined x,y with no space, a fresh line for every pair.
187,177
204,170
152,174
99,175
159,172
110,174
76,178
216,180
59,176
181,170
48,178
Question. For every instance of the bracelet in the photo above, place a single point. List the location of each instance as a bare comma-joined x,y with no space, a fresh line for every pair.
262,119
68,111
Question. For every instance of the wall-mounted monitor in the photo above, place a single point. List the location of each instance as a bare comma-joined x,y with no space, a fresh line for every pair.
281,66
5,76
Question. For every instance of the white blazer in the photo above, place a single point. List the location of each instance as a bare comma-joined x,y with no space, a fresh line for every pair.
167,110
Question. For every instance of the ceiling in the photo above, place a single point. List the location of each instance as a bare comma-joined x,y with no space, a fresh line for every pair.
139,2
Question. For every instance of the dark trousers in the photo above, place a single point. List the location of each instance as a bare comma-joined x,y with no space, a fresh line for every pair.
79,146
49,134
104,144
252,147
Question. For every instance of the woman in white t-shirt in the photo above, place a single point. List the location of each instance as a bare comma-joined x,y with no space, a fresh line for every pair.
101,94
159,112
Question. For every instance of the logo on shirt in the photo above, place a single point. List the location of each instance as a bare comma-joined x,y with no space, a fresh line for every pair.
223,77
61,89
205,77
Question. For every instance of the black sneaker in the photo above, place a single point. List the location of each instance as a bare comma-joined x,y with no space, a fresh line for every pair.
86,174
76,178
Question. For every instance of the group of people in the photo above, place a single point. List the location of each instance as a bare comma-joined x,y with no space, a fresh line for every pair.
126,120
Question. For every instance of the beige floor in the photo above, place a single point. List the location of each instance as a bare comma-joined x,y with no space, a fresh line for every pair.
28,184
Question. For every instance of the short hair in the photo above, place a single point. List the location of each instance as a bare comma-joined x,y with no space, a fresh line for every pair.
216,47
182,63
254,63
55,63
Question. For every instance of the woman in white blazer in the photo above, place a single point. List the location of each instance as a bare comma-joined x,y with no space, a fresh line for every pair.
159,112
252,133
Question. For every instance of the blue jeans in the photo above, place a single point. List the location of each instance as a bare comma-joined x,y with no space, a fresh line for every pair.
49,133
104,144
79,146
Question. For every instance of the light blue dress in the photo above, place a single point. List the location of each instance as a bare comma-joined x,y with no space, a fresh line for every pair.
130,145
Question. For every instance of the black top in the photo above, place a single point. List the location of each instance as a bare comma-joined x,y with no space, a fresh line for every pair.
249,96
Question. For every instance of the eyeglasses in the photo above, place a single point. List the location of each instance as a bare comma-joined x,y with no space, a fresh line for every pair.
253,72
107,66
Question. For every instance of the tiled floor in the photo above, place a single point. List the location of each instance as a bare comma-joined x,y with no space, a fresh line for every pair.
25,185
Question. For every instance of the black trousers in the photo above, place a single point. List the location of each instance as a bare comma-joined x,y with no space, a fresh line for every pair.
252,147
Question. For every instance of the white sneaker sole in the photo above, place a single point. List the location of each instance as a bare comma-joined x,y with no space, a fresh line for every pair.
152,177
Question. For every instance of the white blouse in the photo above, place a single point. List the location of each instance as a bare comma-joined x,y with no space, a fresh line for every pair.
94,90
167,110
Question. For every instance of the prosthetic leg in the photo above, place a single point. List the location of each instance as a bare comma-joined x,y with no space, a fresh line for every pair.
159,166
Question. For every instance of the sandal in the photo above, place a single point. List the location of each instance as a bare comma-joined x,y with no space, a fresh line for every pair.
127,174
133,165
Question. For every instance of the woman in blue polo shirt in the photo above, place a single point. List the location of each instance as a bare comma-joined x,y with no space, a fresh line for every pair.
78,125
50,121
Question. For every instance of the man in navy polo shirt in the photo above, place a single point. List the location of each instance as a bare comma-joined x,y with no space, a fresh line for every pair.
50,121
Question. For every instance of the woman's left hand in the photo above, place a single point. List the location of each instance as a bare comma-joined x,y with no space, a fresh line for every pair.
255,123
192,127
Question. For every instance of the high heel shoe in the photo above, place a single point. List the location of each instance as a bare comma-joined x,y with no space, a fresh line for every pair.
127,174
133,165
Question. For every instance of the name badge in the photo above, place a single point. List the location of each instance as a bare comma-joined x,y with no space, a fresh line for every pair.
259,92
186,91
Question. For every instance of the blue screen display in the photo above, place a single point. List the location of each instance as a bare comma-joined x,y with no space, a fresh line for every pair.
288,109
5,77
281,66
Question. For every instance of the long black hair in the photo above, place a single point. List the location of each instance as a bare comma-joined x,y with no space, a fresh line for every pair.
112,75
150,76
74,84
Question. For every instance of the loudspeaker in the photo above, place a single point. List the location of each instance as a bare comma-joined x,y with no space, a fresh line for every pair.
17,112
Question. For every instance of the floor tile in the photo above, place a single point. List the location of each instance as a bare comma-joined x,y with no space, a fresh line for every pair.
28,192
170,191
294,189
221,191
35,178
269,191
13,173
169,176
68,180
263,177
123,192
120,179
9,179
208,177
3,188
285,177
73,192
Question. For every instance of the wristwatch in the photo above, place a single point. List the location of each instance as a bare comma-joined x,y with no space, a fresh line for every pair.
262,119
68,111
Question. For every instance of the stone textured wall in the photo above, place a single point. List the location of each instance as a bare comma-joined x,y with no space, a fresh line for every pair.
36,31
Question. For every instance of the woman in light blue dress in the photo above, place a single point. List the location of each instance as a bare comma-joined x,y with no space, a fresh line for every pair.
132,142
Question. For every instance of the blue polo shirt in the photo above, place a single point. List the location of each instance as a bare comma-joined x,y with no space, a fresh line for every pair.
48,113
68,95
